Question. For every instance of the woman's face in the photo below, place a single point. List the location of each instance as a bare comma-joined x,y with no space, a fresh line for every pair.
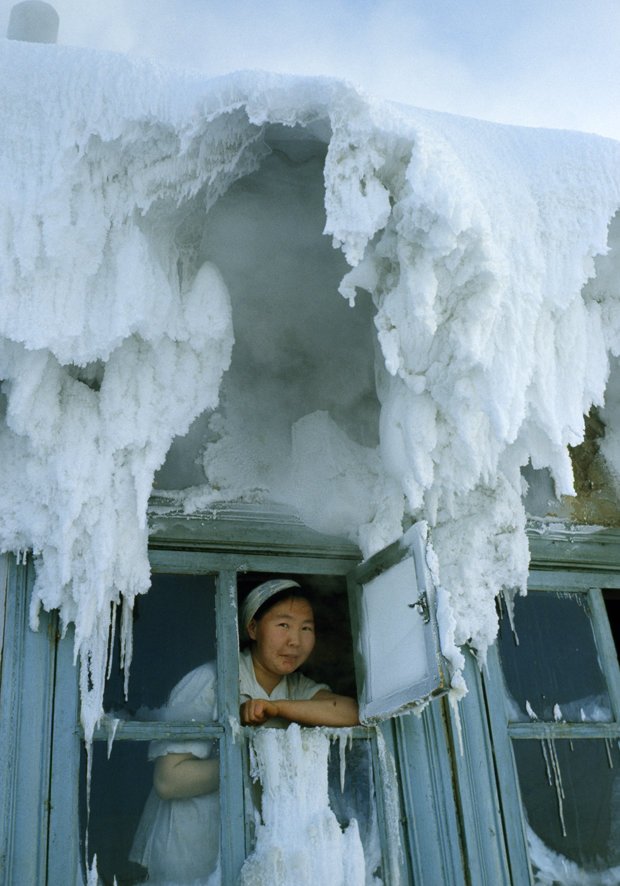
283,637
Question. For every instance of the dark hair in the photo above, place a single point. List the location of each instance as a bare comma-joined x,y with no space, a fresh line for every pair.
286,594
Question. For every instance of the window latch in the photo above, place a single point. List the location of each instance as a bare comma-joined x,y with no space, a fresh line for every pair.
421,604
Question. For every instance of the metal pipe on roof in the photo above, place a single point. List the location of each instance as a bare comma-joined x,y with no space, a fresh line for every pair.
33,21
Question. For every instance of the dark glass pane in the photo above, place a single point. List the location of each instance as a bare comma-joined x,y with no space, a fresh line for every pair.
612,603
119,789
555,662
136,835
352,796
173,633
571,794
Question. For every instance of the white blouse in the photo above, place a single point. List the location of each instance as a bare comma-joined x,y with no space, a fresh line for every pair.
178,840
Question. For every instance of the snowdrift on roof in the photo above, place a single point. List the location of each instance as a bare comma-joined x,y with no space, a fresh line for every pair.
474,240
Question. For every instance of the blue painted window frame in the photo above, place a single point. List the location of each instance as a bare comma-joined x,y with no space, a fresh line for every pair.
40,804
449,835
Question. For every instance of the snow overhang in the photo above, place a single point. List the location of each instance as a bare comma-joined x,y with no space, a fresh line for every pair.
466,248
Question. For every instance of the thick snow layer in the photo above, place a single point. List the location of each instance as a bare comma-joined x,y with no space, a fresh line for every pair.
299,839
473,240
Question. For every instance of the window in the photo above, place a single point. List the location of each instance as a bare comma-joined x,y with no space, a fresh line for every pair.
188,618
201,568
560,709
399,662
174,632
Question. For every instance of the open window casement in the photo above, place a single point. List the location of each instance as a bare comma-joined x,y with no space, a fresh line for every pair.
398,659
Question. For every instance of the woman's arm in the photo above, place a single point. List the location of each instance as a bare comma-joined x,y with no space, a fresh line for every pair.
324,709
179,776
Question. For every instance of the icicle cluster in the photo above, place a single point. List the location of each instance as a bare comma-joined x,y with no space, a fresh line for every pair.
474,241
299,840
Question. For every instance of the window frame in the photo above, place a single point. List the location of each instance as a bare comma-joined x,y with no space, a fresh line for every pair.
446,831
420,608
298,551
34,719
504,732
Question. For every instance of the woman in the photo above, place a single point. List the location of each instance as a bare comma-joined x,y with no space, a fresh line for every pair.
178,836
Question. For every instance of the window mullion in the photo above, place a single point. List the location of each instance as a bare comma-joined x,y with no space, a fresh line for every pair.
144,730
552,730
64,828
506,770
425,775
232,837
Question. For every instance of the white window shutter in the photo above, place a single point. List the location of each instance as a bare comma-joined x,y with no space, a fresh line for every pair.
393,602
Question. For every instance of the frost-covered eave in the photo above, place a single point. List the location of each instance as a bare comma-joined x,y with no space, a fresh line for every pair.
555,545
242,527
553,542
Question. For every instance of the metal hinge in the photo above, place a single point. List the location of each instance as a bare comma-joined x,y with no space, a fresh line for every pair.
421,604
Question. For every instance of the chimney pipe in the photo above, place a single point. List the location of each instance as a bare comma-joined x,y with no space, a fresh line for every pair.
33,21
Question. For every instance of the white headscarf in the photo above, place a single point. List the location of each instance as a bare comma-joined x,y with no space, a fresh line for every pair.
260,595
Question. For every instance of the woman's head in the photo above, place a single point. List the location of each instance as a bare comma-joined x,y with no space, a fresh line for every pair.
279,621
262,598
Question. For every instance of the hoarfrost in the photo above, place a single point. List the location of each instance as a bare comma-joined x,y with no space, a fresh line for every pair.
299,840
473,240
552,869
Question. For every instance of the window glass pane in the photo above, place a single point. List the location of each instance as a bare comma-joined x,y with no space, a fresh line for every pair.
135,834
352,797
612,603
173,633
571,794
119,789
555,666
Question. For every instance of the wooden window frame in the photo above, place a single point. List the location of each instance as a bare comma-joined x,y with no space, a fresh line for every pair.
41,805
448,834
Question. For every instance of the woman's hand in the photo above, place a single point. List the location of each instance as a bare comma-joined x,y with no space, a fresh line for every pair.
257,711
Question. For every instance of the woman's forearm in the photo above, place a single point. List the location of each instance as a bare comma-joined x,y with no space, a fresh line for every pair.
179,776
328,710
325,709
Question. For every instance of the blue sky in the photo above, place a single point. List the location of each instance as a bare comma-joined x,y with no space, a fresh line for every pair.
534,62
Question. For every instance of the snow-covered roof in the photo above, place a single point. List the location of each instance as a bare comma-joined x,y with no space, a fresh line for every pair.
494,294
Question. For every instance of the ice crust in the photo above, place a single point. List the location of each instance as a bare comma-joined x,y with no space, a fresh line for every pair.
299,839
551,868
474,240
